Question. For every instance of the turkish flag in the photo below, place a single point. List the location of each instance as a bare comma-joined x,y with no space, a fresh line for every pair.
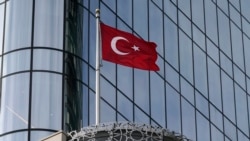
124,48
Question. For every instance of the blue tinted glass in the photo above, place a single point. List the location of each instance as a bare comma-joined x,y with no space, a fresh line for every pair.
186,59
14,103
49,24
46,101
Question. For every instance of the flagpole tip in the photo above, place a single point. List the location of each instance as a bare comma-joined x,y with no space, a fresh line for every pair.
97,13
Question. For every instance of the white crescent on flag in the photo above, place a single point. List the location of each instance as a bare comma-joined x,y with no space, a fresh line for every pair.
114,47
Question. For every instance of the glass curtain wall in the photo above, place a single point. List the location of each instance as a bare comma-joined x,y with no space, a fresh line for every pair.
202,88
41,78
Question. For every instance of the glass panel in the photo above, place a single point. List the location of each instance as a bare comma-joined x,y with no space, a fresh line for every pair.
188,120
216,117
187,90
213,51
140,116
49,23
172,77
201,103
235,3
185,7
125,107
141,93
140,18
124,11
72,66
211,21
173,109
247,54
228,97
235,15
246,26
226,64
47,60
171,10
198,13
73,28
239,76
108,114
16,61
199,37
108,92
216,134
241,136
230,130
85,32
18,24
18,136
185,23
224,33
203,131
237,46
156,27
171,43
15,102
214,83
200,70
46,101
157,99
223,4
186,58
1,25
245,9
241,109
125,80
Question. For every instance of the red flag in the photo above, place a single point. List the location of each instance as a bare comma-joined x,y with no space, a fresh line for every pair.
124,48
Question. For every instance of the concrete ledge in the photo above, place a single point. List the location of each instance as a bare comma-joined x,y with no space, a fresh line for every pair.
58,136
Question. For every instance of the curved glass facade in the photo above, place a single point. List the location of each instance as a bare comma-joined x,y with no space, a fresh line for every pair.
47,60
41,63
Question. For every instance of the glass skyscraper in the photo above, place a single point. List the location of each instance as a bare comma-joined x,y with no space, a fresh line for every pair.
47,59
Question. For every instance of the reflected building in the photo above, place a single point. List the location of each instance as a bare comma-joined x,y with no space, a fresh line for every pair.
47,59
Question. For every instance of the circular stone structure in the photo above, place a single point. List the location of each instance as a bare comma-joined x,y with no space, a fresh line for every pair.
124,132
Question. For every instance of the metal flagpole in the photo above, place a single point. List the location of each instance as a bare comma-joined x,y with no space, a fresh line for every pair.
97,85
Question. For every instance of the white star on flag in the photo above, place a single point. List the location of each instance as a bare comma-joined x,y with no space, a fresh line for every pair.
136,48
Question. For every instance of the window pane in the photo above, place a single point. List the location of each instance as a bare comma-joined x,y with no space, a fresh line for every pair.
1,25
173,109
47,60
188,120
171,43
18,24
203,132
18,136
241,109
186,59
16,61
228,97
46,101
200,70
49,23
214,83
211,21
224,33
15,102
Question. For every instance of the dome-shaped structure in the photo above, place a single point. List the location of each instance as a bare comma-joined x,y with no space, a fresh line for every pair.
125,132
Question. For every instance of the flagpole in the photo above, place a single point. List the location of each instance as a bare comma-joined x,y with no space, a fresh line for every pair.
97,85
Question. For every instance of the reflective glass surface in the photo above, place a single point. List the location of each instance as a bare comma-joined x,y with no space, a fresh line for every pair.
18,24
46,101
16,61
202,89
49,24
45,59
14,103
